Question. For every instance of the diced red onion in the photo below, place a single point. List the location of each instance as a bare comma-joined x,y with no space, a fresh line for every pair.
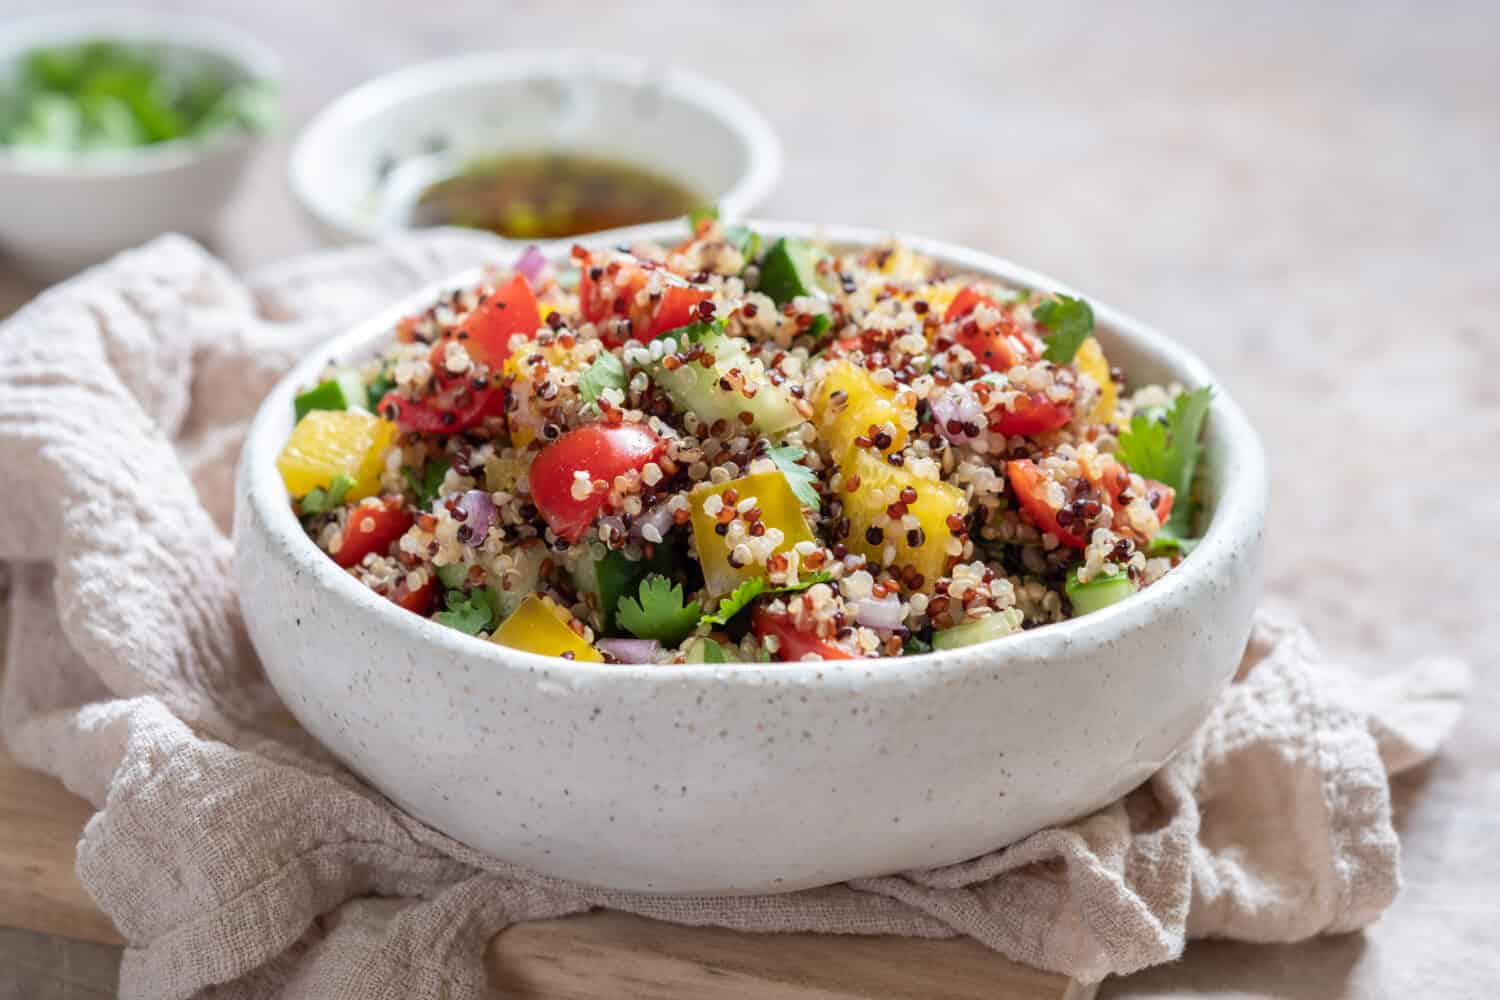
958,408
631,650
880,612
479,515
659,517
531,264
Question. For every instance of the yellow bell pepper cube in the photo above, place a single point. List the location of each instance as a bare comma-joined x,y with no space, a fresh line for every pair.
849,402
327,444
539,626
779,508
1092,362
874,535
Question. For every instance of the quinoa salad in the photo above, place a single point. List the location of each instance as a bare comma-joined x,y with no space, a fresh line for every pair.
745,449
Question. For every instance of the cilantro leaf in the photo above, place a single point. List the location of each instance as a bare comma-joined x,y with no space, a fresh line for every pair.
739,598
820,325
798,476
430,484
1168,452
713,652
606,372
470,613
1070,320
915,645
694,332
658,612
744,239
321,501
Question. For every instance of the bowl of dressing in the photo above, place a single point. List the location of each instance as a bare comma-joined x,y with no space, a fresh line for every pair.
531,146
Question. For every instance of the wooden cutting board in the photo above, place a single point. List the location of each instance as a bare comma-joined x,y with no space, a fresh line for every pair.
577,958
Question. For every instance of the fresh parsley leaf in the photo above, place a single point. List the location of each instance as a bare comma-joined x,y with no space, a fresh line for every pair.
429,484
658,612
745,240
700,213
321,501
1070,320
470,613
914,646
606,372
377,389
1165,542
713,652
798,476
739,598
1168,452
820,325
694,332
453,575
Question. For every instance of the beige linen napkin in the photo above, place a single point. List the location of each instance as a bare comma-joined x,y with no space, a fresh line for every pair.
238,860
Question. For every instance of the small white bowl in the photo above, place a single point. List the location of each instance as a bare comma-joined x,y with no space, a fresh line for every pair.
358,165
752,777
59,214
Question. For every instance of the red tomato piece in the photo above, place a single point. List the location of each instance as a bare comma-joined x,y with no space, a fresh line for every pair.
372,527
678,308
599,450
419,601
1034,414
487,329
1029,486
1165,496
453,408
793,644
992,348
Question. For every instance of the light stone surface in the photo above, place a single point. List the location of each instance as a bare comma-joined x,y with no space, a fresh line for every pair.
1305,194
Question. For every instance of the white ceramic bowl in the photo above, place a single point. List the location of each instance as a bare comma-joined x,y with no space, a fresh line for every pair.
741,777
59,214
361,162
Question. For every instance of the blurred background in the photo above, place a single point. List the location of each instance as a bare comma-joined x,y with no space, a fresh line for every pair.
1306,194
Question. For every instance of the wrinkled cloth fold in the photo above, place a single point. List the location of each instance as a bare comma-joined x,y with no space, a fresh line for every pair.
238,860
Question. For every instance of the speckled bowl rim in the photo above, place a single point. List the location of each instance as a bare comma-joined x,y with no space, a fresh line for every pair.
763,149
1234,528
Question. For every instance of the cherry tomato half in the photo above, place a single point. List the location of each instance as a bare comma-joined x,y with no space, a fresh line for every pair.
793,644
1030,486
1034,414
610,290
455,407
486,331
418,601
993,349
372,527
602,452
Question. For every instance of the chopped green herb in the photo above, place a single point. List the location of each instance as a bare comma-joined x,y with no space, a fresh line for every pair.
694,332
745,240
798,476
820,325
321,501
1070,320
658,612
915,645
377,389
607,372
713,652
739,598
1168,452
1165,542
453,575
470,613
430,483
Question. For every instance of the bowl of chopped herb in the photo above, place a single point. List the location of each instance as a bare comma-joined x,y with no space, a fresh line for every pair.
116,126
616,594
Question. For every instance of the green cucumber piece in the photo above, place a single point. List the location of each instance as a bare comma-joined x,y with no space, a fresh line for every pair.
695,389
1100,592
789,270
993,626
345,391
